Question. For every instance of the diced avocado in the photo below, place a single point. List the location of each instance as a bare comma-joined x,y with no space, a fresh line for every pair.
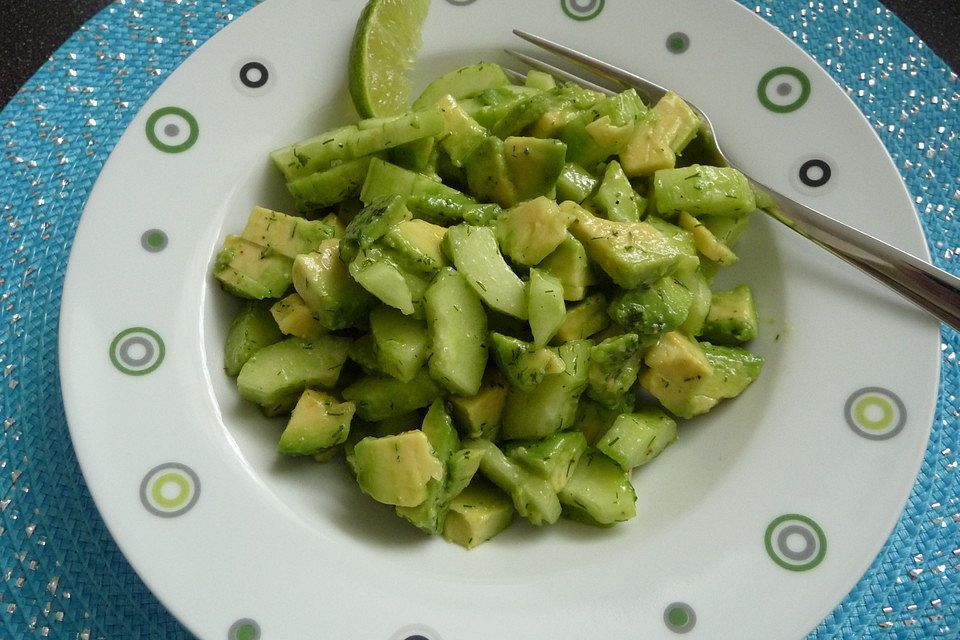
372,223
381,398
287,235
654,308
584,319
638,437
324,282
318,422
658,138
615,198
594,419
490,105
396,469
553,458
477,514
487,174
532,230
539,80
575,183
677,122
476,255
707,244
523,364
416,244
249,270
252,329
614,365
529,110
478,416
598,492
295,318
732,318
696,282
458,327
288,367
631,253
462,134
551,406
700,190
330,186
463,82
571,266
690,378
532,496
534,165
401,344
545,305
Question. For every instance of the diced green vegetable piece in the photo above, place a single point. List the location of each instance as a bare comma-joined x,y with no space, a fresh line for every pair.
732,318
528,111
477,514
373,222
401,343
678,124
487,175
378,272
475,254
396,469
252,329
571,266
696,282
478,416
464,82
584,319
416,244
532,496
295,318
707,244
652,309
554,458
532,230
594,419
285,234
599,492
539,80
458,327
575,183
462,134
324,282
533,165
658,138
318,422
522,364
700,190
551,406
546,308
249,270
288,367
615,198
631,253
362,352
614,365
382,398
637,438
330,186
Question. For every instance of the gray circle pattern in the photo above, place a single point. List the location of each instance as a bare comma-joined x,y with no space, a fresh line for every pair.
849,413
146,488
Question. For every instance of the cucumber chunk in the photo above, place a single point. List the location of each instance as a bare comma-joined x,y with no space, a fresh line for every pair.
458,326
285,368
475,254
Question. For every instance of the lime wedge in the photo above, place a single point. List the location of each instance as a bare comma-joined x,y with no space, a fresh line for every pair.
385,45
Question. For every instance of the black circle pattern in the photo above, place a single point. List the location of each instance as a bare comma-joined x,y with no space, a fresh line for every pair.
254,80
811,178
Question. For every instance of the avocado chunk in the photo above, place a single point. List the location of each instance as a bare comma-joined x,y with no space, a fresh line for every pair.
324,282
250,270
522,364
616,199
477,514
658,138
652,309
287,235
416,244
478,416
295,318
286,368
614,366
318,422
594,419
571,266
732,318
252,329
534,165
706,243
584,319
638,437
598,492
397,469
530,231
554,458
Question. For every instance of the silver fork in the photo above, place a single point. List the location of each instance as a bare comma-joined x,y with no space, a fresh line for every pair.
928,287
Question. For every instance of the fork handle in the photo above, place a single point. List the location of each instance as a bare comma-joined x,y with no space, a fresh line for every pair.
928,287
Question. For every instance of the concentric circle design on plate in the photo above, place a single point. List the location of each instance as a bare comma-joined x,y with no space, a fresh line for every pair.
137,351
461,3
795,542
784,89
154,240
678,42
172,129
170,490
814,174
875,413
253,76
244,629
679,617
582,9
415,632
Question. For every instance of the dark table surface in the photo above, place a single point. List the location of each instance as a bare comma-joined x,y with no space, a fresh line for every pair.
30,30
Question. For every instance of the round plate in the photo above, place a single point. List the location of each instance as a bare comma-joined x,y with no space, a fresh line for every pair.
790,489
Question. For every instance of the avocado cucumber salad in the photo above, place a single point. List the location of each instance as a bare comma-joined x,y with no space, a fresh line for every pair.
495,304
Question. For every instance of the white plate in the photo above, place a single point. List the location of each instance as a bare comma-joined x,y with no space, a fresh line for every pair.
755,525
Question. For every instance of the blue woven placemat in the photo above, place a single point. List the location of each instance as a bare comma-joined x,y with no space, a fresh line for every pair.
64,577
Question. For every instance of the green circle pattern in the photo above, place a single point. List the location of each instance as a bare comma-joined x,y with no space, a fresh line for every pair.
244,629
155,488
149,353
814,551
582,10
875,413
679,617
766,82
186,118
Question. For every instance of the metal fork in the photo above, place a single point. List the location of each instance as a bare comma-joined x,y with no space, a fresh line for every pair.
928,287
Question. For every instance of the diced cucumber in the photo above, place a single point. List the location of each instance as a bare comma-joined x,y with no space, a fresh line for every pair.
554,458
330,186
584,319
701,190
532,496
252,329
522,364
575,183
373,222
458,327
614,365
462,134
598,492
732,318
401,343
324,282
546,308
615,198
382,398
637,438
475,254
464,82
285,368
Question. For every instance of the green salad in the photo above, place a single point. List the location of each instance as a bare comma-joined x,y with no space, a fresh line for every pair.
497,302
